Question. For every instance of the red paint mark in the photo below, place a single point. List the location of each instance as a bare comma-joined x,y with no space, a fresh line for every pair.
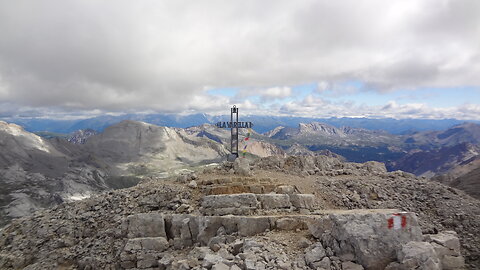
397,221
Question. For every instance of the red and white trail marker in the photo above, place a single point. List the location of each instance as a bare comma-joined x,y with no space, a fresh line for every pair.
397,221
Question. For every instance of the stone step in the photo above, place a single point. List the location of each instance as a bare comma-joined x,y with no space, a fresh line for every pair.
230,180
248,203
371,236
376,239
236,188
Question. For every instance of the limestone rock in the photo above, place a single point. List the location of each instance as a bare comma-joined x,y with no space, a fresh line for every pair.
192,184
447,247
220,266
210,260
252,226
148,243
230,200
147,261
304,201
315,255
274,201
448,239
453,262
418,255
146,225
241,166
366,235
289,224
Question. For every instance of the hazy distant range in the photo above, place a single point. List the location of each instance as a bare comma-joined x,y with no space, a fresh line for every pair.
261,123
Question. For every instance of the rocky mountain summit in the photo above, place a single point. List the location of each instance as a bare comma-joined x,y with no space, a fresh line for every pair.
130,145
308,212
81,136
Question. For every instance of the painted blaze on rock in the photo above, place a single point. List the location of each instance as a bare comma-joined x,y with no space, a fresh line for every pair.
366,235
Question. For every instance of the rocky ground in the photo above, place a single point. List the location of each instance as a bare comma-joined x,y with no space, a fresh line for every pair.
277,213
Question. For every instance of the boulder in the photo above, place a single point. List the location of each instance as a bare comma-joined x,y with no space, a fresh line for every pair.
210,260
366,234
183,229
146,225
241,166
325,263
375,167
447,247
192,184
448,239
418,255
453,262
220,266
315,255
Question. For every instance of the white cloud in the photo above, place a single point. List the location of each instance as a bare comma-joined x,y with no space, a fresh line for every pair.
162,55
313,106
323,86
276,93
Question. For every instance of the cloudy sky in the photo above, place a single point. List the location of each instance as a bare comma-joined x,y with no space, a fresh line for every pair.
401,59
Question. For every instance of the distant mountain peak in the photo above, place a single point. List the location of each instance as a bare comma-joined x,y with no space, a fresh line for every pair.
24,139
81,136
274,131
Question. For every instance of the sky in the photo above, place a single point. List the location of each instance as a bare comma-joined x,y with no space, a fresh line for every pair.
373,58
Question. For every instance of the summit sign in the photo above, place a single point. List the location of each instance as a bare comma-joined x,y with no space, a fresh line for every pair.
234,124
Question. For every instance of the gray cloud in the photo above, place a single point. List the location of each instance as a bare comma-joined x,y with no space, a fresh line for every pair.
161,55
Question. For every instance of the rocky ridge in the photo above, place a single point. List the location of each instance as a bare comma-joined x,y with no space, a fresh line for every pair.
37,173
255,146
275,213
308,133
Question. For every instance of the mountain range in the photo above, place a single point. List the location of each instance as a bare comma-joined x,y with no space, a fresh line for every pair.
262,123
446,154
37,172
